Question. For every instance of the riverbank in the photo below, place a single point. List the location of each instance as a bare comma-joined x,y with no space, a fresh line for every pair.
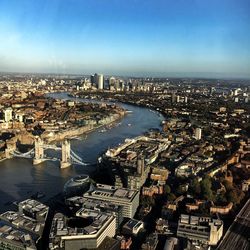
79,131
114,100
20,178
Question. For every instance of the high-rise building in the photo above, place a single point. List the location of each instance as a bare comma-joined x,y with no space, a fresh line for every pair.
173,98
99,80
111,81
177,98
8,114
198,133
92,79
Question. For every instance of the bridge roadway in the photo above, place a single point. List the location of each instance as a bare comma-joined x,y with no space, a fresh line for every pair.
238,234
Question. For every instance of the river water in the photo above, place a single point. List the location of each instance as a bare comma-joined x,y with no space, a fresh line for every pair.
20,179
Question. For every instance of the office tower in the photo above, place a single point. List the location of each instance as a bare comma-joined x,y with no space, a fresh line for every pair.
198,133
173,98
111,81
99,80
177,98
8,114
92,79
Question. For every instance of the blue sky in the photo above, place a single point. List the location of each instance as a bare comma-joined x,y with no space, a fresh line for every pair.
126,37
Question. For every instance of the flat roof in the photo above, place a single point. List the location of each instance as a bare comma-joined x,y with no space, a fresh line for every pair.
110,191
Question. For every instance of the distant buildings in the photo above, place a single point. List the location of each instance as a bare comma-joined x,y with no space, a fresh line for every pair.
8,114
98,80
204,230
198,133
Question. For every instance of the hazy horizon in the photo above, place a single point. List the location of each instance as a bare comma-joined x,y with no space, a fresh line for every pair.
185,38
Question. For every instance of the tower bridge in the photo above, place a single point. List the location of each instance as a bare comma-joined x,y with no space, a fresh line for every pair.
68,156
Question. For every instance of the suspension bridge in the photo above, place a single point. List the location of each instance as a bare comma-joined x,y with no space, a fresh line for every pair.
68,156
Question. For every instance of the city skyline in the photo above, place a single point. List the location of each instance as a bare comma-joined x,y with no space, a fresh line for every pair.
136,38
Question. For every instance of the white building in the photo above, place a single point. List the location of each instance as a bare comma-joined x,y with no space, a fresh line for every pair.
99,80
198,133
200,229
89,237
127,198
8,114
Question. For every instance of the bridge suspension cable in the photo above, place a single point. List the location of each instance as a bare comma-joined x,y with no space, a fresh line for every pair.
51,147
76,159
28,154
75,155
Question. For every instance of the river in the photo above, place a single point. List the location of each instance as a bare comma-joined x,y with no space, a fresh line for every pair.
20,179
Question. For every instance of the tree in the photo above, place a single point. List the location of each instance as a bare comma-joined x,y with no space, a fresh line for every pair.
167,189
221,198
232,196
206,191
235,196
171,197
195,187
147,201
228,185
180,190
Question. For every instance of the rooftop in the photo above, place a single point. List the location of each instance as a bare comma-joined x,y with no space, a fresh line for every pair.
34,207
98,223
23,222
78,201
111,191
15,236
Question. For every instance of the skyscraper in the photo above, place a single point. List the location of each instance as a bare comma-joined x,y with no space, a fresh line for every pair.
198,133
8,115
99,81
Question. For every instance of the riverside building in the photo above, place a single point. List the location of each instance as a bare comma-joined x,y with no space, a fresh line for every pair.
127,198
77,202
90,236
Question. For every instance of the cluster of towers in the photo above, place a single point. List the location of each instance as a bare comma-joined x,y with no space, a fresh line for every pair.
98,80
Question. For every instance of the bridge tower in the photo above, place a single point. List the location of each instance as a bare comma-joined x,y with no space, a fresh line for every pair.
66,161
10,148
39,151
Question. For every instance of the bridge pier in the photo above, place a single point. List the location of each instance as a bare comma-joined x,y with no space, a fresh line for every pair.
10,148
66,161
8,153
39,151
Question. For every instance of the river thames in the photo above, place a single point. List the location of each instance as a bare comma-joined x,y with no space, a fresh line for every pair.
20,179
